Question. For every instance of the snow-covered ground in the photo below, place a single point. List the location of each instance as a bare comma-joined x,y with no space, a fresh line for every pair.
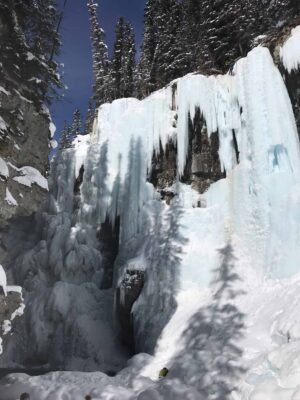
222,289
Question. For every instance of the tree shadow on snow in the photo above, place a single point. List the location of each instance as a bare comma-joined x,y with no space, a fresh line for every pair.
163,251
211,359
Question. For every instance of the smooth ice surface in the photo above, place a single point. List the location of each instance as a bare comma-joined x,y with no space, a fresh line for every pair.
220,302
290,51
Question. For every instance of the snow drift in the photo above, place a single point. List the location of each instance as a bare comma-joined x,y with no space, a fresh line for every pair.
210,307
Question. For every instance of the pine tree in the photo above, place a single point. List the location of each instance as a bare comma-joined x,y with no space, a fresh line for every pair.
129,65
101,65
280,11
28,47
146,70
172,57
76,124
116,65
66,137
165,54
226,30
123,61
90,116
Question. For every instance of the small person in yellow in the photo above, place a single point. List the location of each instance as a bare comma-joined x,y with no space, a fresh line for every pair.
163,373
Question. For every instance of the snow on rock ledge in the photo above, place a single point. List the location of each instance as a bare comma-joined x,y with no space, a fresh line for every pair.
290,51
11,306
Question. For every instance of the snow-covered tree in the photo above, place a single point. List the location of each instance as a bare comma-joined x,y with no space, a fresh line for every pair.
77,123
123,61
101,65
165,54
172,57
28,46
129,65
90,116
66,137
280,11
146,69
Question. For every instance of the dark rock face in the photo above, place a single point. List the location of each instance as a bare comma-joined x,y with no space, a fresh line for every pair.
78,181
108,236
203,166
26,144
126,294
164,167
8,306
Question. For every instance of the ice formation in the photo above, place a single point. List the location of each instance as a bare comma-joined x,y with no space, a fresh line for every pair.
209,308
290,51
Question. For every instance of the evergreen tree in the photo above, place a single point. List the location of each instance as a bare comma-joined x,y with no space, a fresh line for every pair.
129,65
191,31
66,137
172,58
146,70
101,65
280,11
76,124
165,54
116,70
123,62
90,116
28,47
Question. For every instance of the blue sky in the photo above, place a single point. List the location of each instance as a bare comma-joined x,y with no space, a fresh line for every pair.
76,49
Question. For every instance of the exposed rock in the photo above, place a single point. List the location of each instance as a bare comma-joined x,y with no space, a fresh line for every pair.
11,306
25,145
78,181
108,236
126,294
203,166
164,167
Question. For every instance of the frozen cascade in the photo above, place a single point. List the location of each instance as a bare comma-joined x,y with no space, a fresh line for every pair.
250,216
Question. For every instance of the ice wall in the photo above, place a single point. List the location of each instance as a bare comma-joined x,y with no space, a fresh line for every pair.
255,209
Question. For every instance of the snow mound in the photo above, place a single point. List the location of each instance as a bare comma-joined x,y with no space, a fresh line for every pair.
290,51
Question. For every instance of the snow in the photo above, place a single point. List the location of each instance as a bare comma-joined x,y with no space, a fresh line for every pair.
30,56
2,90
6,327
290,51
52,128
3,281
30,176
10,199
220,302
4,172
3,125
53,144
